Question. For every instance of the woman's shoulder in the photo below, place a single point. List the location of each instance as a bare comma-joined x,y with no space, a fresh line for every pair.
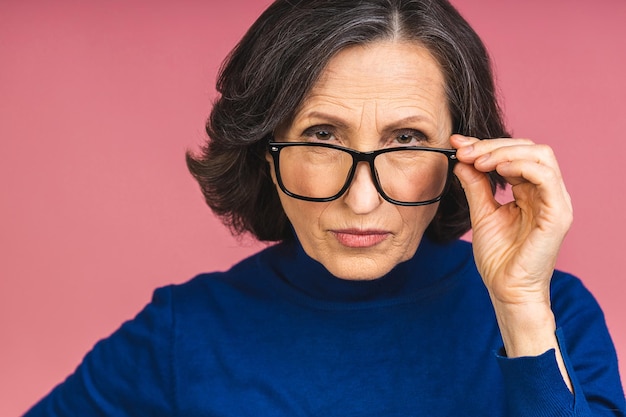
572,302
245,277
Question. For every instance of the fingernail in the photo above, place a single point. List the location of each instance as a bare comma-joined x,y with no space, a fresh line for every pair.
466,150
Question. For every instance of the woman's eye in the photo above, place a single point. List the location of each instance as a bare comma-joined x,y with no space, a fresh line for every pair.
318,133
323,135
404,138
408,138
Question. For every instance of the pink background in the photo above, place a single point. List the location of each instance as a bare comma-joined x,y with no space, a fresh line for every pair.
100,100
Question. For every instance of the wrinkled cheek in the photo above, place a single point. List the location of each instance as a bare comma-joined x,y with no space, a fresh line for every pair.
416,221
304,217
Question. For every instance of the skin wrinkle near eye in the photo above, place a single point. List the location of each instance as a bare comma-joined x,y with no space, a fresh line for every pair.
318,120
327,111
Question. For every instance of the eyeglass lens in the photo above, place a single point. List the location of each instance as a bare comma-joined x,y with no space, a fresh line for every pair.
409,176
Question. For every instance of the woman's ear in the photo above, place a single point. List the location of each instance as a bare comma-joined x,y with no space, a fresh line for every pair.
270,167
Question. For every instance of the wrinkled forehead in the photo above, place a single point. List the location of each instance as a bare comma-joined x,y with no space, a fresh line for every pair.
385,79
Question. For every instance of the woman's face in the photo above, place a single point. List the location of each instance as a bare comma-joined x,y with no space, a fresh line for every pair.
369,97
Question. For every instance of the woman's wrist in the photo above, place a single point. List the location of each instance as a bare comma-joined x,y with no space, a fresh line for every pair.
529,329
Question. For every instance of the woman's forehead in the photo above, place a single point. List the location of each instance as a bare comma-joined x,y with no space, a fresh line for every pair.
387,78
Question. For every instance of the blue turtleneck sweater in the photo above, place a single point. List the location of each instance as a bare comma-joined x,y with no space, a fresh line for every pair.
277,335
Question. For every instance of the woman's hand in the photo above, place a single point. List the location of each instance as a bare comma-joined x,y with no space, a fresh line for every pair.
516,244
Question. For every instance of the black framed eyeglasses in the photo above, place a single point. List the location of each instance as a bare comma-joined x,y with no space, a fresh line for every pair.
405,176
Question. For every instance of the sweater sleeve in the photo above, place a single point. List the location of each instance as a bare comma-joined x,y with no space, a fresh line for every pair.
534,386
127,374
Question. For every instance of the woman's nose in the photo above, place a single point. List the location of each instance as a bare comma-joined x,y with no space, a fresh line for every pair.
362,196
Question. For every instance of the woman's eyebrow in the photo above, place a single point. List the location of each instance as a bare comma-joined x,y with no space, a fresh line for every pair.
338,122
325,118
408,122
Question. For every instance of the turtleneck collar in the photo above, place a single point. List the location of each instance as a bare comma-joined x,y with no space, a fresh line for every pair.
428,269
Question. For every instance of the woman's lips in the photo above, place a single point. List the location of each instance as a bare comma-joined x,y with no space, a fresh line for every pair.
360,238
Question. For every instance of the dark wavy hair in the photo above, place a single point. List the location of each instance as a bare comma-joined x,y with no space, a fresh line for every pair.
270,72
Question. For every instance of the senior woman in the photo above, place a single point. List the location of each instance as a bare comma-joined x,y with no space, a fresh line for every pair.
347,131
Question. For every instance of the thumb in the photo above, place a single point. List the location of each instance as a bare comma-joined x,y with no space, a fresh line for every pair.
477,191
